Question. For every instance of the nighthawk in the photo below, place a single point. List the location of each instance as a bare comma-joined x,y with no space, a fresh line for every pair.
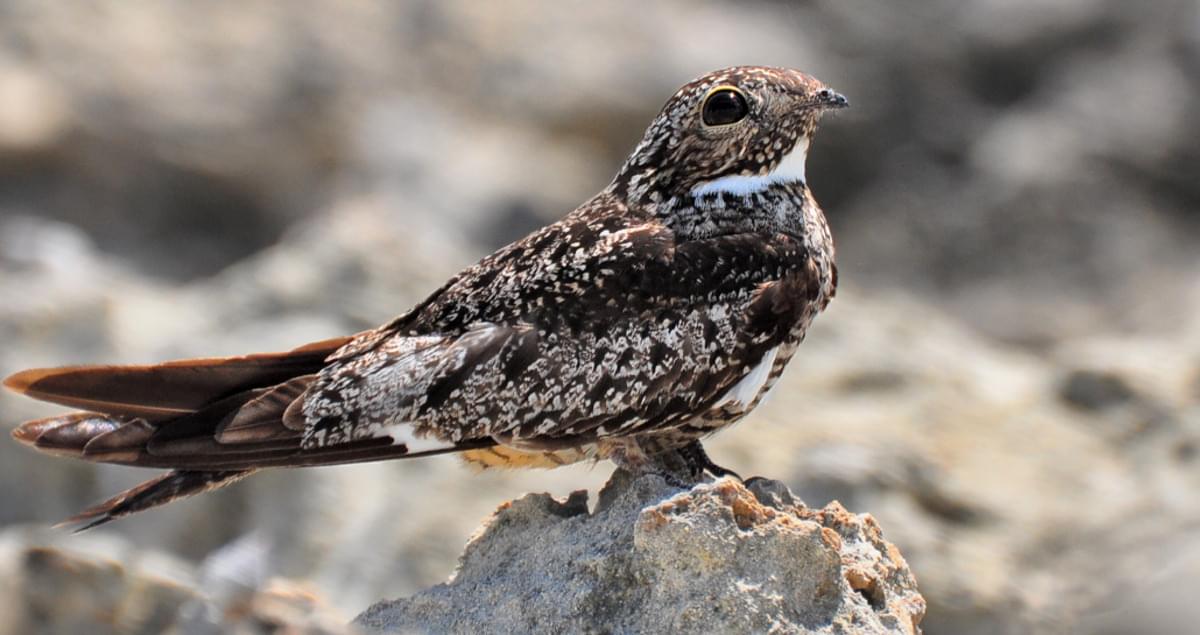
656,313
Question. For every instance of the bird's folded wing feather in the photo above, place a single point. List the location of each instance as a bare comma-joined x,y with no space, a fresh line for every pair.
584,329
613,331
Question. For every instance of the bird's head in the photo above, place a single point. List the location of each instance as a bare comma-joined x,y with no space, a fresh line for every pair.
737,130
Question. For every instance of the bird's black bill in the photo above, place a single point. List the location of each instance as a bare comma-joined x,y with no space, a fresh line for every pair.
832,99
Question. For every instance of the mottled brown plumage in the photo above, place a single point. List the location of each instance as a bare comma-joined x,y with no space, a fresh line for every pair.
659,311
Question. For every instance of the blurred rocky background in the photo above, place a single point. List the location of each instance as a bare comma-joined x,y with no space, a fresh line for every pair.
1009,381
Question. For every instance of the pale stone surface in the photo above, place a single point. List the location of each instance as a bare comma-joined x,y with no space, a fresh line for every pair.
719,558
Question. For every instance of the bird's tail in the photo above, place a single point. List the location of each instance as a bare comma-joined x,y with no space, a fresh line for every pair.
211,421
166,488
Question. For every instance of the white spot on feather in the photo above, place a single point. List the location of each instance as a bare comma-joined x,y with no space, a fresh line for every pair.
405,434
789,170
743,393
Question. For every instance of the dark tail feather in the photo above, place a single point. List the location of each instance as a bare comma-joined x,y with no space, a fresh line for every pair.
169,487
211,421
191,443
164,391
66,435
188,446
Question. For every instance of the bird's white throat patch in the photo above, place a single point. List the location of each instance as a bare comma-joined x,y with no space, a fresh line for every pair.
789,170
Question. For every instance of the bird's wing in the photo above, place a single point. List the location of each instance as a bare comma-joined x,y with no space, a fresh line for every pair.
550,342
164,391
587,328
456,355
254,411
596,334
212,420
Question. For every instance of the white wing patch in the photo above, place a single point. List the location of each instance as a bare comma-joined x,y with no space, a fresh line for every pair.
789,170
746,390
405,434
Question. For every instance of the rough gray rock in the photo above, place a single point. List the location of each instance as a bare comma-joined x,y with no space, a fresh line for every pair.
51,582
721,558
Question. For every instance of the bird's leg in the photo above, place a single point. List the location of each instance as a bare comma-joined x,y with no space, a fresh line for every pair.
644,456
679,466
698,460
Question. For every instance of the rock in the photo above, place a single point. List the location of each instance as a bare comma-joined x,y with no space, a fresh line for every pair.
51,582
33,113
1095,391
722,557
54,588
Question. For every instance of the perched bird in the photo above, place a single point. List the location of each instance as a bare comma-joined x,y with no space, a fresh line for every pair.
656,313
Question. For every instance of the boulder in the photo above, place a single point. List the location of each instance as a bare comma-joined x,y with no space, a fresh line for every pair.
650,558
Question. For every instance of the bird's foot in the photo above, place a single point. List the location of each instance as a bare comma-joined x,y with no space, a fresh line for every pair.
680,467
699,462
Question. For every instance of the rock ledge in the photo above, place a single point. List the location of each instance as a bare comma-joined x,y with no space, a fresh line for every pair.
721,557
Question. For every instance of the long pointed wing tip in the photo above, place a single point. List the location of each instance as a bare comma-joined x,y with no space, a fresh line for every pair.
94,516
25,435
75,524
20,382
31,432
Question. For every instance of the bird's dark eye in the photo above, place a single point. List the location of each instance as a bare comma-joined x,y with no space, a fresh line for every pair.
724,106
